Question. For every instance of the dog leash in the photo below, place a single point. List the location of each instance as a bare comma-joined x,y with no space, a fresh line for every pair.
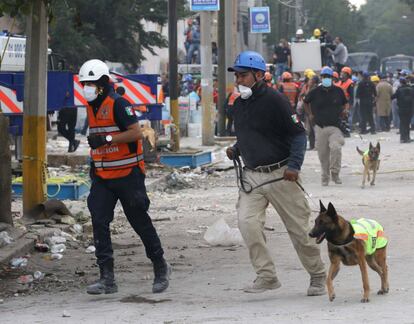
242,182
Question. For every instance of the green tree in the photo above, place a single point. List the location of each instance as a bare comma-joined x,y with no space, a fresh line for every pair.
339,17
107,29
390,25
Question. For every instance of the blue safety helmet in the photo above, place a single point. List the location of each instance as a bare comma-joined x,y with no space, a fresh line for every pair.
326,70
248,60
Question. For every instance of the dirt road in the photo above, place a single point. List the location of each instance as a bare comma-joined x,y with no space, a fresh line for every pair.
207,281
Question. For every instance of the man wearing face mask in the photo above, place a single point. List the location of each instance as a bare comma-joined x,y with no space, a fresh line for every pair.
326,106
272,143
118,173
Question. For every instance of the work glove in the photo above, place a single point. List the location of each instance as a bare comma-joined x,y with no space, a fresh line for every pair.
232,152
96,141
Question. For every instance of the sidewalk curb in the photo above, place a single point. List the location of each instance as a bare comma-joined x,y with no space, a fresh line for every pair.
19,248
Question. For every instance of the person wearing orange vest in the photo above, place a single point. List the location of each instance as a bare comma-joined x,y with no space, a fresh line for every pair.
117,173
335,79
229,108
347,85
289,89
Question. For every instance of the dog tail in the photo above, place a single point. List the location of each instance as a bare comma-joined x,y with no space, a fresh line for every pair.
359,151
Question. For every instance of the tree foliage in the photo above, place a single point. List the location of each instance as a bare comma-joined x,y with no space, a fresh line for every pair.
107,29
390,25
339,17
104,29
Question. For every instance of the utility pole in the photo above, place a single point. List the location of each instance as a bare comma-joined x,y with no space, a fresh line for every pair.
172,72
206,79
298,13
5,172
34,118
222,67
230,32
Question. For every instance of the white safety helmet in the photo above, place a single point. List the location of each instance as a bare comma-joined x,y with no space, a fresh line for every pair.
299,31
93,70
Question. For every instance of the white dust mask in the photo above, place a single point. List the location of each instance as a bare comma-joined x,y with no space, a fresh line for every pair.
90,93
245,92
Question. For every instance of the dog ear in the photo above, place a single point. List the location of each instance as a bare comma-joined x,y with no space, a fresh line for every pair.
378,146
332,211
323,209
370,145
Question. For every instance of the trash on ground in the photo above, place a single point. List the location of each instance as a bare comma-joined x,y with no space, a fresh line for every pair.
220,234
38,275
42,247
18,262
90,249
65,313
26,279
58,248
5,239
56,256
53,240
77,229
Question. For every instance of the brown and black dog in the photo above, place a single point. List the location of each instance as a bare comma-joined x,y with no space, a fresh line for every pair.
371,162
342,246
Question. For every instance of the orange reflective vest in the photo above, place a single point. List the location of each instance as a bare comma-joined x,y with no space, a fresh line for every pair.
345,85
290,89
233,96
115,160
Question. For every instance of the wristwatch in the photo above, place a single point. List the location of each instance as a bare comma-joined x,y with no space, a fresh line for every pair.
108,139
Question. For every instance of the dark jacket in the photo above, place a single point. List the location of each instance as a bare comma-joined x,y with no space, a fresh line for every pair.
267,131
366,91
405,97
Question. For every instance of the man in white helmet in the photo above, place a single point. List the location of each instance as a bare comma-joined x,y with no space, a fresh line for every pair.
299,36
118,173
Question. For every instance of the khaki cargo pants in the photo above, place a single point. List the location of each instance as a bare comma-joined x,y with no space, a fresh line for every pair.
291,205
329,142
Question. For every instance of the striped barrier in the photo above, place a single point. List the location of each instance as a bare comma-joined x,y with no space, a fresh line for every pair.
8,101
135,92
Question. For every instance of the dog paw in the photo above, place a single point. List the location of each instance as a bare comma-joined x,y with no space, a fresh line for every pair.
332,297
383,291
363,186
364,300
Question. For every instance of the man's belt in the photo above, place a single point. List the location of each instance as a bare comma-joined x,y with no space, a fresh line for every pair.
269,168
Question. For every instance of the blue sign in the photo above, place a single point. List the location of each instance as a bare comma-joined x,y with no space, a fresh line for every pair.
259,20
205,5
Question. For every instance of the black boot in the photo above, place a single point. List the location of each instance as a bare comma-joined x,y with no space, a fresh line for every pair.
162,272
106,284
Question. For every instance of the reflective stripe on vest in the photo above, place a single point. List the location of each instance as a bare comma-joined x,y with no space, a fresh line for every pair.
117,159
118,163
99,130
345,85
371,232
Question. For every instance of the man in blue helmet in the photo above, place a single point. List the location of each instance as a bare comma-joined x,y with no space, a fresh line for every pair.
326,105
272,144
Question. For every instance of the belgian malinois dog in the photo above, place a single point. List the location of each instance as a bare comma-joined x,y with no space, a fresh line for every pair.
344,247
371,162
